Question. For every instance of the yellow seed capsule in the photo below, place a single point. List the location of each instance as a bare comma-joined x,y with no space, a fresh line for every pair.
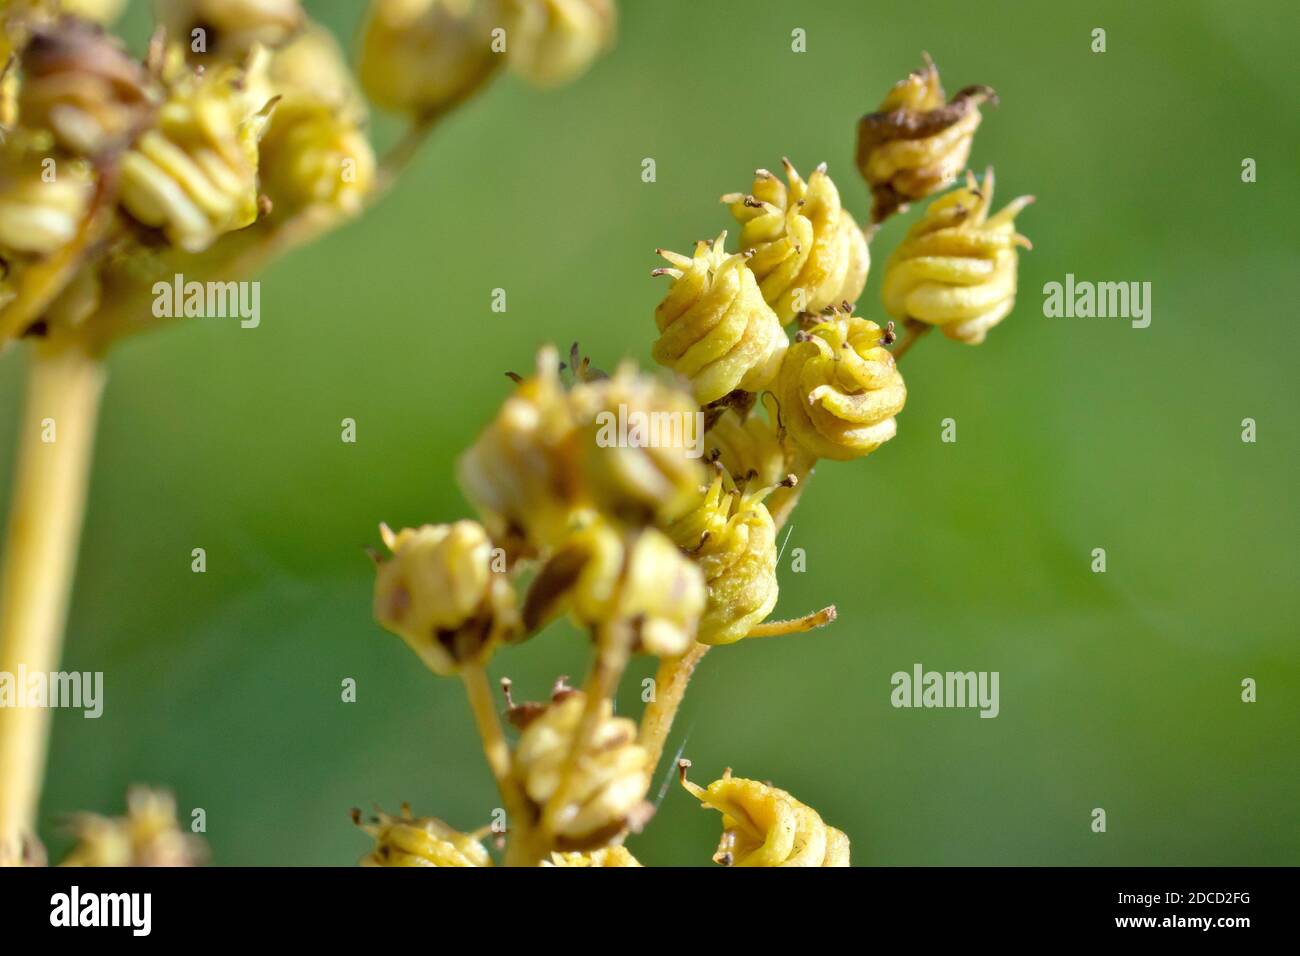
194,176
732,538
43,200
423,56
604,575
765,826
807,251
441,593
916,144
839,389
147,836
606,856
315,151
229,28
957,267
607,789
427,841
81,85
749,448
549,42
640,446
715,329
522,473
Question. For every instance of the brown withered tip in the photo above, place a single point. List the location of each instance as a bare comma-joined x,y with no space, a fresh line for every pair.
355,814
514,377
888,337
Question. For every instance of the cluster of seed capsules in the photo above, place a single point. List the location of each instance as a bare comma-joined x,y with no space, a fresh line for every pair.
243,124
654,550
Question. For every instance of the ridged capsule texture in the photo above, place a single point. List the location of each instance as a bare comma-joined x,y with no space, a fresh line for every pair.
421,57
315,152
732,538
839,389
522,473
550,42
916,144
194,175
606,792
764,826
230,28
605,575
957,267
147,836
405,840
715,328
605,856
440,593
807,250
82,86
640,446
748,447
43,201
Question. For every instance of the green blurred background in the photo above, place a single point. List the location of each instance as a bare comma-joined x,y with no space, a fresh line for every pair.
1118,690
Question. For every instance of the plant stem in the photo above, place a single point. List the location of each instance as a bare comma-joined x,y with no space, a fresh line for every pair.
497,751
913,330
671,679
64,386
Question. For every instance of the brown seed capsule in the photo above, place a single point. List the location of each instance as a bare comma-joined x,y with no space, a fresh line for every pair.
916,144
81,84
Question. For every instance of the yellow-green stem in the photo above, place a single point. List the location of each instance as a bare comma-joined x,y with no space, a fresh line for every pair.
671,679
56,432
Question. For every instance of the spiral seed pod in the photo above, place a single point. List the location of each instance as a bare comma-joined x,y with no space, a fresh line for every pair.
916,144
637,579
606,790
714,326
839,389
765,826
422,57
427,841
315,151
605,856
229,29
957,267
550,42
808,251
522,473
147,836
83,86
194,175
441,594
749,448
733,540
43,201
640,446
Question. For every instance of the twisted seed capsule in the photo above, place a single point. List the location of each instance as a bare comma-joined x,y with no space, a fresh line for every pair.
640,445
604,575
957,267
838,388
315,151
147,836
549,42
749,448
522,474
732,538
441,594
915,145
43,201
195,175
229,28
765,826
808,251
427,841
82,85
607,789
423,56
605,856
714,326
